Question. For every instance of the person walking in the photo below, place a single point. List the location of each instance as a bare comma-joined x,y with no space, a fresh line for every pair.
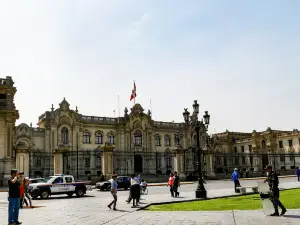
22,189
26,194
298,173
273,182
13,198
113,191
170,184
133,181
235,179
176,184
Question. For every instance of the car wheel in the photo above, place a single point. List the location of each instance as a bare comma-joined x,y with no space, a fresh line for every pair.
45,194
108,188
70,195
79,193
126,188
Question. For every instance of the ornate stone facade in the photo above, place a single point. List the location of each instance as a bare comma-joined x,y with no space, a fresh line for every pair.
255,150
66,141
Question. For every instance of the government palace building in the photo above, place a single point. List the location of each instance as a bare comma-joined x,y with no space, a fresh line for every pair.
65,141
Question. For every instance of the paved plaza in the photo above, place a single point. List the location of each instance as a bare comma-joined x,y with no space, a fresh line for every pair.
92,209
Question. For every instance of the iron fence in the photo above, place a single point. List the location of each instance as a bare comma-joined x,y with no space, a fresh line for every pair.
143,162
41,164
253,162
80,163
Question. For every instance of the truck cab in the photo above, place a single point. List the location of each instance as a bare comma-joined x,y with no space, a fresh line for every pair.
57,185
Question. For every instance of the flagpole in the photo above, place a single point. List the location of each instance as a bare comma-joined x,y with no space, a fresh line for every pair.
119,105
135,92
151,106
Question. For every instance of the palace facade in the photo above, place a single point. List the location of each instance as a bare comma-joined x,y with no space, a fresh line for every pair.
65,141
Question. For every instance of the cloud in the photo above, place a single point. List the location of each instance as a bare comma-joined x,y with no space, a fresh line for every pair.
136,29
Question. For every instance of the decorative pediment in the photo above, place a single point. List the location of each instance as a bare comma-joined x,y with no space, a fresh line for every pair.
137,125
23,143
23,130
65,121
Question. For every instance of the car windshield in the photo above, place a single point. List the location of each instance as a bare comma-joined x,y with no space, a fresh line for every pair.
48,179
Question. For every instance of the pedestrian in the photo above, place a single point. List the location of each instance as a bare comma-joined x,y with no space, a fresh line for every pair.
133,181
273,182
26,194
113,191
176,184
170,184
14,198
235,179
22,189
298,173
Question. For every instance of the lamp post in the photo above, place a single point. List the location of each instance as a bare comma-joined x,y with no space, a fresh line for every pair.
198,125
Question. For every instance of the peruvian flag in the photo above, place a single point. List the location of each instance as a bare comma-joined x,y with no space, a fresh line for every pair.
133,94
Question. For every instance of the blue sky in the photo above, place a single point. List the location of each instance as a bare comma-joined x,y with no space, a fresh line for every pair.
239,59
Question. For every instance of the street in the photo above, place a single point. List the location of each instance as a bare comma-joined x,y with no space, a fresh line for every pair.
92,209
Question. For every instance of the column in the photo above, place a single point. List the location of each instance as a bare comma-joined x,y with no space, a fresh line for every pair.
22,161
58,162
179,162
107,161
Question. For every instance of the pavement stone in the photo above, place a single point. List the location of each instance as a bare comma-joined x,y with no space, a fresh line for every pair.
92,209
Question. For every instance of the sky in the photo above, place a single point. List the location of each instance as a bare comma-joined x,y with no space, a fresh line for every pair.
239,59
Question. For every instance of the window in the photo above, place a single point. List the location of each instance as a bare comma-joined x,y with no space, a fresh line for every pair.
58,180
244,160
263,144
137,137
38,161
65,135
290,143
235,149
280,144
86,138
111,139
250,148
242,149
87,162
99,139
236,161
167,141
68,179
157,140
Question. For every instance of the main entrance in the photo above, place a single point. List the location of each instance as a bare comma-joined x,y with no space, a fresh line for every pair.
138,163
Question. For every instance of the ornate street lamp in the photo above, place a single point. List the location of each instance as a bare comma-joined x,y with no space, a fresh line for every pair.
198,125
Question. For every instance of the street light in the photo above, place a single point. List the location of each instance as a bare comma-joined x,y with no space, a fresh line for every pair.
198,125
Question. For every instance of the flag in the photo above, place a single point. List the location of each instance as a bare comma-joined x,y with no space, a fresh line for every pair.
133,94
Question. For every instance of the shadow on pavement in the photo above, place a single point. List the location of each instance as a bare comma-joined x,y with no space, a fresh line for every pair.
292,216
64,197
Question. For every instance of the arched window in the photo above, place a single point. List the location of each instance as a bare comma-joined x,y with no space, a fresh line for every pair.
263,144
65,135
99,138
111,138
86,138
138,137
157,140
167,141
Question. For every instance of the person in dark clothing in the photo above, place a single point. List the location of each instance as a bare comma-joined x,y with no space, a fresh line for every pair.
14,198
273,182
176,184
298,173
235,179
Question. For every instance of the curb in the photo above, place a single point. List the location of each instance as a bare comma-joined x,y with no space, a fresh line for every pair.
194,200
165,184
262,178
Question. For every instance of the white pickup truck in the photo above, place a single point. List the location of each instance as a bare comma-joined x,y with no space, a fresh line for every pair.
57,185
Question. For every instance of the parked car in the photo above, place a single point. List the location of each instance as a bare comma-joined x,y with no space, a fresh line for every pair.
123,183
37,180
57,185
